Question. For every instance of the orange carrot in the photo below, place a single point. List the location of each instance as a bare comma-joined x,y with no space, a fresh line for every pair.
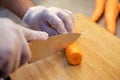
119,7
99,9
111,13
73,54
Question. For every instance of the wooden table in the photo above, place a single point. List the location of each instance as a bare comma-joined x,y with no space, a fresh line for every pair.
101,58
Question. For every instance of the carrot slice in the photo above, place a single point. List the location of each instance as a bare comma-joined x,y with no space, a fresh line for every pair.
111,13
73,54
99,9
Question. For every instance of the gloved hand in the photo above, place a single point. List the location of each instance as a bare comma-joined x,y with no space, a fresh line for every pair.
51,20
14,49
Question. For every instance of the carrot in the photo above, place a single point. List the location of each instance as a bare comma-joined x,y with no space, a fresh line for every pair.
119,7
99,9
73,54
111,13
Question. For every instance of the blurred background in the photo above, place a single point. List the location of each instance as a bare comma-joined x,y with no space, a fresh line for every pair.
76,6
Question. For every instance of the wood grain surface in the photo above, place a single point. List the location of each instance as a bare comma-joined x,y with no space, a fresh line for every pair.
101,58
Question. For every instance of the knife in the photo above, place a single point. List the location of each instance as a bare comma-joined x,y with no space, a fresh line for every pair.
43,48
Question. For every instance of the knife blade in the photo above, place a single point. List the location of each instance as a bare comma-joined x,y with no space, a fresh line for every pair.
43,48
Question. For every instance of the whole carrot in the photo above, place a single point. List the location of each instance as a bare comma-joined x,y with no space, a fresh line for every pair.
111,13
99,9
73,54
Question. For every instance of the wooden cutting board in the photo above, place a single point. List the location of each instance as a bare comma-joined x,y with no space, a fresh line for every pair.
101,58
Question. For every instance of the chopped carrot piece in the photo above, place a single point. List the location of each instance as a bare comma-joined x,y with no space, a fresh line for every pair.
73,54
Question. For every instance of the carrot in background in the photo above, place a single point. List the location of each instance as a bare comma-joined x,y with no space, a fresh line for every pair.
73,54
111,13
119,7
99,9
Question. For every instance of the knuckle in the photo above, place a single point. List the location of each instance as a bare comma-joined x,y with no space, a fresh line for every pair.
64,15
45,11
67,16
61,30
59,24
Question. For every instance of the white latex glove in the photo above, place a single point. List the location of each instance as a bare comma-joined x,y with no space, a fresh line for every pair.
51,20
14,49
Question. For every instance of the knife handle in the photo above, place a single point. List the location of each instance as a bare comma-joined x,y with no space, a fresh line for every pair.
73,54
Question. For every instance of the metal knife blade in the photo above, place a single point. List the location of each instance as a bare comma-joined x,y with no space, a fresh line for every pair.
43,48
